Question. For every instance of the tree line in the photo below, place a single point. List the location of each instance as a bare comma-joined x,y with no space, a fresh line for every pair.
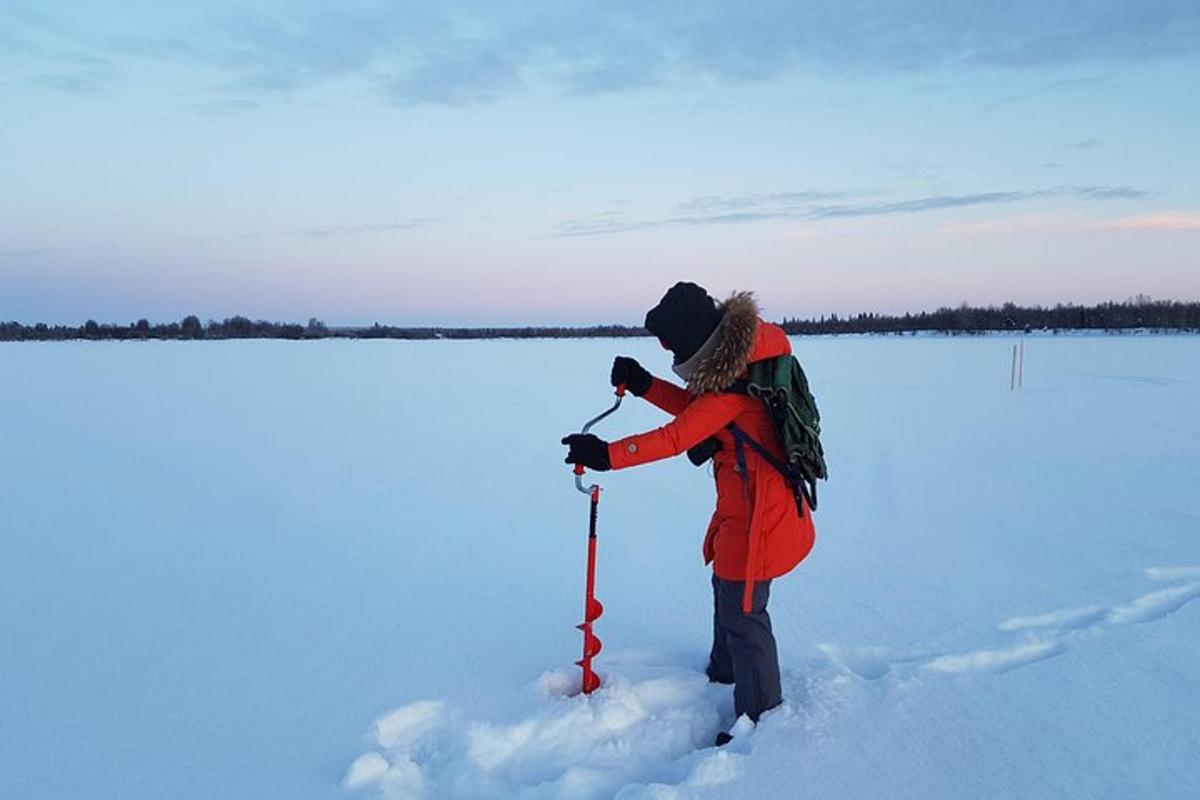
1139,313
240,327
189,327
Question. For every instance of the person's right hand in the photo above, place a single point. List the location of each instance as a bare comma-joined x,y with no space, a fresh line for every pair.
628,371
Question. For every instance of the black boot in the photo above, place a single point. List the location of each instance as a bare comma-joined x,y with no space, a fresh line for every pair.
715,676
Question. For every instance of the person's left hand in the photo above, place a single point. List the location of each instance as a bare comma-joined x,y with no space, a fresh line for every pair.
628,371
587,449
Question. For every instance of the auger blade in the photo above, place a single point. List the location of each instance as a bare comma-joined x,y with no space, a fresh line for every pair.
594,609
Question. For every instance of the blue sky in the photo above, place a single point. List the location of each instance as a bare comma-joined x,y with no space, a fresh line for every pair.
565,162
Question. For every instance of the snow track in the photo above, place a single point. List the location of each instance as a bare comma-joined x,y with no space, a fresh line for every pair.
1045,635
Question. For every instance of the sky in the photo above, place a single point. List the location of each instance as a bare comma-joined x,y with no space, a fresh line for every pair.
511,163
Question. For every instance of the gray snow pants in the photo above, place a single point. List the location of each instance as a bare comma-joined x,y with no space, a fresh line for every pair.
743,650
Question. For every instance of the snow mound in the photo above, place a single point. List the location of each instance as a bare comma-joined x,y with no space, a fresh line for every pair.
1066,619
1172,573
1001,660
1154,605
646,733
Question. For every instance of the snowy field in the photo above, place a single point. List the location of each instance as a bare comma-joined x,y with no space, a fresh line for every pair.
352,569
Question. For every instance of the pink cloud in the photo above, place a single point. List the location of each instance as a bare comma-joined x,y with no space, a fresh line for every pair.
1155,221
1158,221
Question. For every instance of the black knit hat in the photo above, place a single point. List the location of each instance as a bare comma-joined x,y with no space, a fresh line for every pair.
684,319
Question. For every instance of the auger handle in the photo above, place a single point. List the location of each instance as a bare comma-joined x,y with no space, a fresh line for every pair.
594,488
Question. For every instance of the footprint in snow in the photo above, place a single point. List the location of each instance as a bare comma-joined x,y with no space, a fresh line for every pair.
869,663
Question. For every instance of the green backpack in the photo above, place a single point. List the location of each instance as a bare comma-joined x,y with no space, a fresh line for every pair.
782,385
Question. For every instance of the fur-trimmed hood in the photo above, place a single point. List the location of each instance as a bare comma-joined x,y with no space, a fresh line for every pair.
740,338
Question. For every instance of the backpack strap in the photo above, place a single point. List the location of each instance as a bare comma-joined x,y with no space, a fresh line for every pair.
740,438
805,494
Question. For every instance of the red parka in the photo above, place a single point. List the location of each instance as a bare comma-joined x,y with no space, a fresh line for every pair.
756,532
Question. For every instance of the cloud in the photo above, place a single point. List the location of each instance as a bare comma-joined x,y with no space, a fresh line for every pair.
351,230
23,253
593,227
1081,144
475,78
228,107
71,84
1055,88
1187,221
1160,221
812,212
40,50
471,52
713,203
937,202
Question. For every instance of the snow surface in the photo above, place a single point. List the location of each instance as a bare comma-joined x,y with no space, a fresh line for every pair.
222,563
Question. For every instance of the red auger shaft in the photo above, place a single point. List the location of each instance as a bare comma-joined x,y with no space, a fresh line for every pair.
592,608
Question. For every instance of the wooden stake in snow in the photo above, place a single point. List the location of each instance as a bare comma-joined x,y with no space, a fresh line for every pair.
1016,377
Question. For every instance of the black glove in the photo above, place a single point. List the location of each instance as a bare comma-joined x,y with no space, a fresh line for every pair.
589,450
629,372
702,452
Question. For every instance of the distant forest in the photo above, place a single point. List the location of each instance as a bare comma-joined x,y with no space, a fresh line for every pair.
1139,313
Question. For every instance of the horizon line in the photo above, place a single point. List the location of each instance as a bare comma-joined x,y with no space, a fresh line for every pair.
1134,301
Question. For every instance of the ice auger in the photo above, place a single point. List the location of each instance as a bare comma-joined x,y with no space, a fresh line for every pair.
592,608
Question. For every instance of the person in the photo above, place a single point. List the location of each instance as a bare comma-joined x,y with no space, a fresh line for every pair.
758,532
